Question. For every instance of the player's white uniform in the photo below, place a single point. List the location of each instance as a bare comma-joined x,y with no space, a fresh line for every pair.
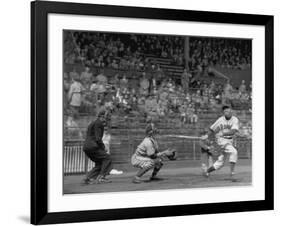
225,142
142,157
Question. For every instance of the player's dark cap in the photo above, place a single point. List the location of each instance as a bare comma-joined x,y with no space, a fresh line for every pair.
225,107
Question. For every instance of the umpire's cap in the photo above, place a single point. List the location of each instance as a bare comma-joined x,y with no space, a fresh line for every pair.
102,113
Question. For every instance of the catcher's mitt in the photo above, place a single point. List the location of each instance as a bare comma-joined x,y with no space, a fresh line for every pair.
171,154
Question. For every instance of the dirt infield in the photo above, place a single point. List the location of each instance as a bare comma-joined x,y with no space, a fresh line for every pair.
176,175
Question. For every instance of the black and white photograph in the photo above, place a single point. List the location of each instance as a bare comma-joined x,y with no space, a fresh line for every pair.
146,112
149,112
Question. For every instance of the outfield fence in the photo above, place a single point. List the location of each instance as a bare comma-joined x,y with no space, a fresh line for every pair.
75,161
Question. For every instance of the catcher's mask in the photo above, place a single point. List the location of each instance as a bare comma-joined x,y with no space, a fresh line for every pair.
150,130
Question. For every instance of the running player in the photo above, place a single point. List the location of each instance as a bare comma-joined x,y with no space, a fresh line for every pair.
224,130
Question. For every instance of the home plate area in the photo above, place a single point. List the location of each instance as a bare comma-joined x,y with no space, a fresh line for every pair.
174,175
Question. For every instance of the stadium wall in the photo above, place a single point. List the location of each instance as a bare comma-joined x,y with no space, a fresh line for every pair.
236,75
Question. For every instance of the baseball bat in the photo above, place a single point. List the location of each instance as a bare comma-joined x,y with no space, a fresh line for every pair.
183,136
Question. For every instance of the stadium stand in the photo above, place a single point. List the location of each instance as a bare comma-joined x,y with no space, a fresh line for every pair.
142,76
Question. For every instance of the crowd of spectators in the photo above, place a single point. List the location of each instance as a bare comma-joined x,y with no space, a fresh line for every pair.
128,51
151,92
228,53
122,51
87,93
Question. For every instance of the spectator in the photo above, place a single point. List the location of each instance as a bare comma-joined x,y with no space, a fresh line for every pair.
94,85
115,81
66,86
242,87
183,113
228,90
72,128
197,99
75,95
144,85
151,106
124,83
114,64
212,88
101,78
192,116
162,108
86,77
171,85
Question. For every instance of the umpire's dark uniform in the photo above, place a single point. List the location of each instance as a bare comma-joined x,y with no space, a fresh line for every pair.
94,148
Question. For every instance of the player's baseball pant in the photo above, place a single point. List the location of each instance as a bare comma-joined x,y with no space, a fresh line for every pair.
145,162
103,162
227,149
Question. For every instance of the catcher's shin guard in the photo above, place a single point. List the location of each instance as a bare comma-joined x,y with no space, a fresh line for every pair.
157,169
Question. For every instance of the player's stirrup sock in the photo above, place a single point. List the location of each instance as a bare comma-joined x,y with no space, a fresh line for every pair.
155,171
232,167
141,172
211,169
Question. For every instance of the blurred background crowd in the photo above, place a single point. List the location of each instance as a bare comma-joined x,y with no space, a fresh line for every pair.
152,77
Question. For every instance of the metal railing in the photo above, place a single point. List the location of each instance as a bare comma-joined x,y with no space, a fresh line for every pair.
75,161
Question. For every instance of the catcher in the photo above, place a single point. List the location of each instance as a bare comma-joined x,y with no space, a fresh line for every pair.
147,155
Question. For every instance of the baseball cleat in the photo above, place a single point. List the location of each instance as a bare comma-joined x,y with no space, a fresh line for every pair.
103,181
204,169
233,177
205,172
87,181
155,179
137,180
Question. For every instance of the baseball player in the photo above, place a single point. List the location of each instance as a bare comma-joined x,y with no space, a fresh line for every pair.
147,155
224,130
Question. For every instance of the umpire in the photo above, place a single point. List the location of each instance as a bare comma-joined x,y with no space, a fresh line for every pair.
95,150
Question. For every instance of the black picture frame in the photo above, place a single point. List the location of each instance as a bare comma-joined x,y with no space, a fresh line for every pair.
39,112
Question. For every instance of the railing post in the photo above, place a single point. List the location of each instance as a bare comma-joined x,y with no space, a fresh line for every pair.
194,151
86,164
